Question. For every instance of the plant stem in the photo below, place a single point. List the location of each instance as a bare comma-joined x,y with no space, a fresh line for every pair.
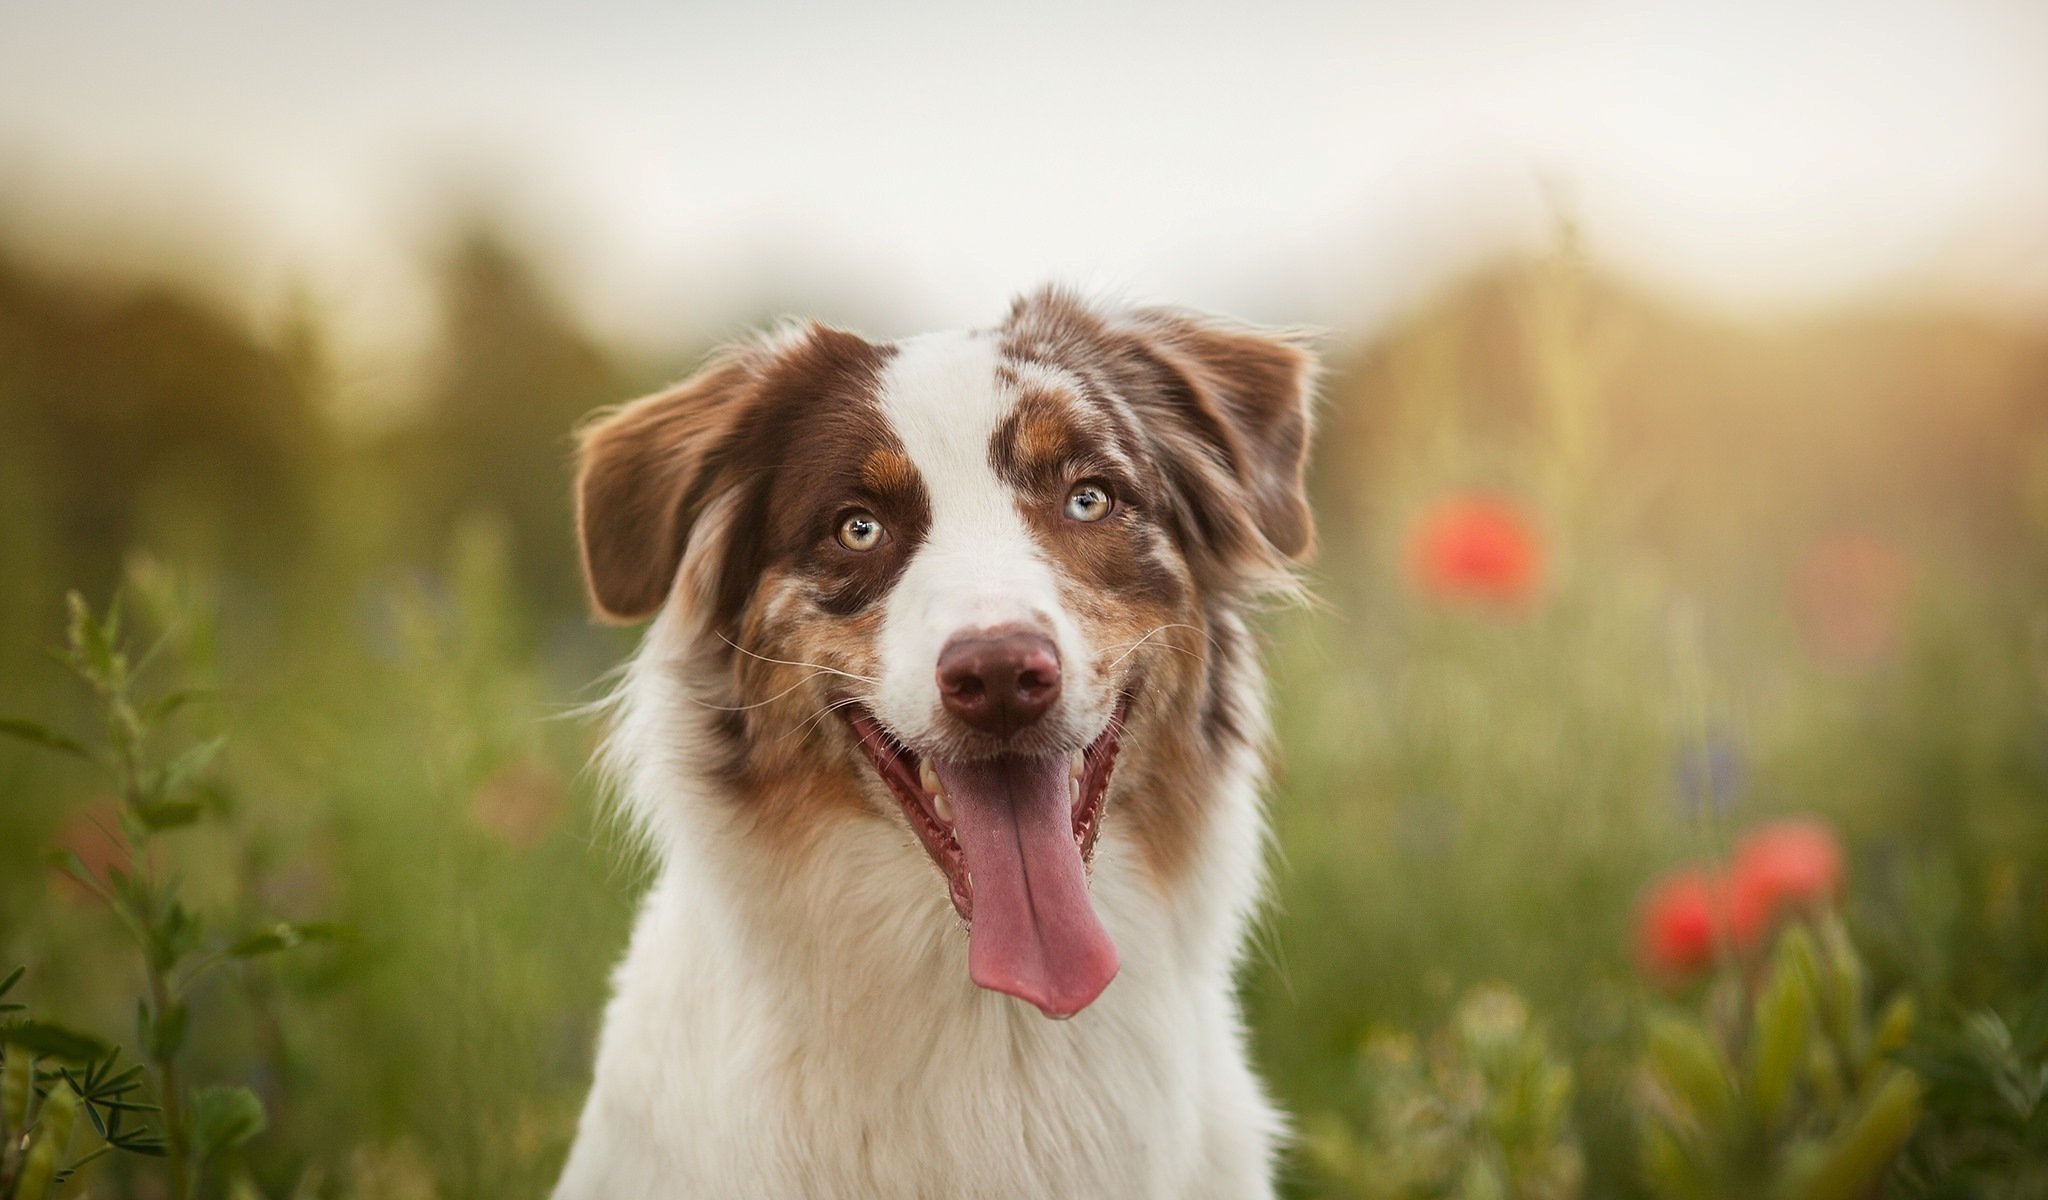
167,1088
126,739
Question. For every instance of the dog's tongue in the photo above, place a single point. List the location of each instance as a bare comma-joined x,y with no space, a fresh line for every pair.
1033,935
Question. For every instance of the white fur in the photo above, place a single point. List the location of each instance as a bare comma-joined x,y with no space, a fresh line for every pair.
979,567
807,1028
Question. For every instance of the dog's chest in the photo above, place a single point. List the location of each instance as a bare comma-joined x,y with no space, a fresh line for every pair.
997,1110
898,1079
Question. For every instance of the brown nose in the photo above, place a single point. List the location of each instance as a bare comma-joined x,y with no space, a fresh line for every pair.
1001,680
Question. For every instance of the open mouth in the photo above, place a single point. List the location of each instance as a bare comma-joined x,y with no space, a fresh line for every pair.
1013,835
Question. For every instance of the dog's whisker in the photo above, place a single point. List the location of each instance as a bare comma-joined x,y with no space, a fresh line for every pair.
1134,646
1137,646
761,703
784,662
1161,628
821,714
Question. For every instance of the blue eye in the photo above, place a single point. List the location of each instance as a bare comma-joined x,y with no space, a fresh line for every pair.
861,531
1088,502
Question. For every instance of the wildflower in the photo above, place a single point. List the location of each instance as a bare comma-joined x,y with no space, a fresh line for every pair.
1850,594
1786,866
1681,922
1710,776
1476,549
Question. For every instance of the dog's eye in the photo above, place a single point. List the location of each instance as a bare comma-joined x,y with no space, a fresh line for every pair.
859,530
1089,502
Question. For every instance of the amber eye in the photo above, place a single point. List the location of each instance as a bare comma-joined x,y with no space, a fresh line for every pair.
859,530
1088,502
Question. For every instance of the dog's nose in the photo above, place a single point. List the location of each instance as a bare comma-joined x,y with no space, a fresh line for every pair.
999,680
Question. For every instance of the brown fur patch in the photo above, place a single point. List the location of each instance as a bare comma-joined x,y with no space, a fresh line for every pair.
794,664
1224,411
790,432
889,471
637,466
1211,422
1048,445
1039,433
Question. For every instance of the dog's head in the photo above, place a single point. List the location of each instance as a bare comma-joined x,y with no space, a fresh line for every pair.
960,582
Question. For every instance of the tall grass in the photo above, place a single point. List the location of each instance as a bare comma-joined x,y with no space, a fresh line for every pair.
1775,577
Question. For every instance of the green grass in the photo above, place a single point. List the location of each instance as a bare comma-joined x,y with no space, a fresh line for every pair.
1466,796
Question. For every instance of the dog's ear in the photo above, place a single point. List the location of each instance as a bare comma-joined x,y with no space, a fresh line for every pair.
644,475
1249,393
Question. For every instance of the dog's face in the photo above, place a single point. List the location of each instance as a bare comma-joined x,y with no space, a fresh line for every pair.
966,583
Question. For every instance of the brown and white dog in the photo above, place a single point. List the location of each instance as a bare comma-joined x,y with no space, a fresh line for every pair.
948,722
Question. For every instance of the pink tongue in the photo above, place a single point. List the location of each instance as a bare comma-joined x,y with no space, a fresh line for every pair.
1033,935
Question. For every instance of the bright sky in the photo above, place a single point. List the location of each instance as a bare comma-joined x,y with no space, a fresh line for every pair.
915,163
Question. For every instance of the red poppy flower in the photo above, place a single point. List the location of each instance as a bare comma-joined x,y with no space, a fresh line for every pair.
1680,923
1851,594
1476,548
1789,865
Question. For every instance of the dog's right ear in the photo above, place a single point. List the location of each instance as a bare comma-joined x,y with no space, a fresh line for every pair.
644,476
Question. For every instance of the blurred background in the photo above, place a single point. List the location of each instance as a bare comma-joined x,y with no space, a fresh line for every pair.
1683,467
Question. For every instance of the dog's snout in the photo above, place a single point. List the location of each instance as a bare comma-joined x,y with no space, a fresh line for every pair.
1001,680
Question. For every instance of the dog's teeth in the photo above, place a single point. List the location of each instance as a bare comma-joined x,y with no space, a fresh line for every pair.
928,779
1074,792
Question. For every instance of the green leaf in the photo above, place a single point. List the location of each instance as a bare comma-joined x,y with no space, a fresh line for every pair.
1671,1167
41,735
1858,1154
94,645
163,707
1842,994
1693,1069
189,763
1784,1016
1824,1076
68,863
2030,1031
223,1118
142,1142
13,977
1894,1026
175,934
51,1040
17,1088
285,935
168,814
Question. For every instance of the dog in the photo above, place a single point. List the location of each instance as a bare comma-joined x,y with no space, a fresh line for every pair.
947,736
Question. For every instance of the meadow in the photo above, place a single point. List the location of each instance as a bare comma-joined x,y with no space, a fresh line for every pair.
1610,589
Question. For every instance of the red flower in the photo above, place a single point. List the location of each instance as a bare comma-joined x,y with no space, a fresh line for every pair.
1684,921
1789,865
1851,594
1478,549
1681,922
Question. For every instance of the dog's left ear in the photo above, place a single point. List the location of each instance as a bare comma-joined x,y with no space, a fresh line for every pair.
1248,393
